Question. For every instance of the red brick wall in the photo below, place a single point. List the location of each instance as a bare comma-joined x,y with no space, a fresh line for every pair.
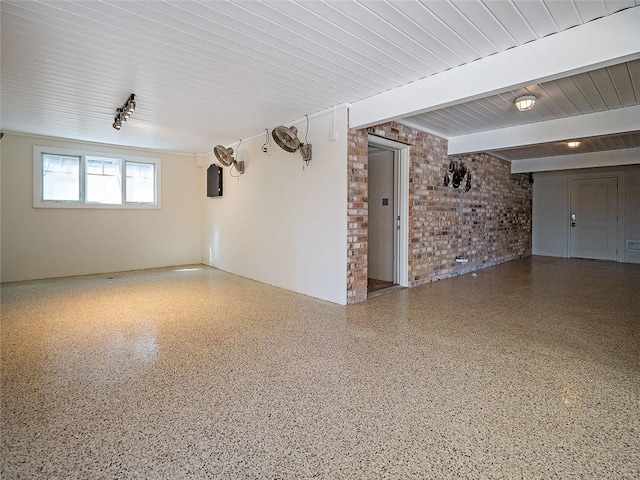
358,208
490,224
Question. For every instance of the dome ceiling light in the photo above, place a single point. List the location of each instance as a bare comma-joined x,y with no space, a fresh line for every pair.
525,103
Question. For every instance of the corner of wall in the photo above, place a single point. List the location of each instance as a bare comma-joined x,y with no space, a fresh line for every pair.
283,222
47,243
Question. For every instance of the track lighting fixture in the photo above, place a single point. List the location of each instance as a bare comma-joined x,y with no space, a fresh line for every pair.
124,113
574,144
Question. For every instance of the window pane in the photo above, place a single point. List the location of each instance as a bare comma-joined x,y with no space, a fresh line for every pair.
60,178
103,180
141,183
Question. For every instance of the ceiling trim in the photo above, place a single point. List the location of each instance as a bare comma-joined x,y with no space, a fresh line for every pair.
600,43
609,158
609,122
118,147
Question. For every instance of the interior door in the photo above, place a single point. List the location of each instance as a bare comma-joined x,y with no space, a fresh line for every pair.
382,224
593,218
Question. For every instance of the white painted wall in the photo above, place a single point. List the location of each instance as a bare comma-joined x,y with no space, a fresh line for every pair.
549,232
1,210
551,209
45,243
632,220
280,224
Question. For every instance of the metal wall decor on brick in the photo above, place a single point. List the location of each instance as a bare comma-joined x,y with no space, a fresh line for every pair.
457,175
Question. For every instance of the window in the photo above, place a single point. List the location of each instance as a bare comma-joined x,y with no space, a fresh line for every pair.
60,178
141,182
80,179
103,180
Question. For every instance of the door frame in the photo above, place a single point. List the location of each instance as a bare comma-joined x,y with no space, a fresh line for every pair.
401,200
621,255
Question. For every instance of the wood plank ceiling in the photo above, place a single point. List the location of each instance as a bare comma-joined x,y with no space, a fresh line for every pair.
209,72
600,90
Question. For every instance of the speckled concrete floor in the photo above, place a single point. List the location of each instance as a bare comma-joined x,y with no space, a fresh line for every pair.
530,369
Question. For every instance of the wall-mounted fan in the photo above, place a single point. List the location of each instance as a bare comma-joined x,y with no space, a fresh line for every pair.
225,157
287,139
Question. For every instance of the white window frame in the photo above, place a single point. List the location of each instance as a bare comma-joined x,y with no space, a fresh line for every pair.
38,202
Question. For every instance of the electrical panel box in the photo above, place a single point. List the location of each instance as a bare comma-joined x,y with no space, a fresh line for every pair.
214,181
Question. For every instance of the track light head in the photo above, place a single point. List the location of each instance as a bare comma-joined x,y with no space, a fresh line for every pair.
130,106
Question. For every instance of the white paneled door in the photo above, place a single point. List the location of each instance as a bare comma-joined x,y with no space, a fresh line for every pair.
594,218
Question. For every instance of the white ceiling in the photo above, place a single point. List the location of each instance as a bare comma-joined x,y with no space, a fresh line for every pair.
599,90
212,72
602,89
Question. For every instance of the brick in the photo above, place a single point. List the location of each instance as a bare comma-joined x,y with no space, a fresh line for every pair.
490,224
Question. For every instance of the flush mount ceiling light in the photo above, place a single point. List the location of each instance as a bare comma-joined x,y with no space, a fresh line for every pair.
225,157
574,144
525,102
124,113
287,139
